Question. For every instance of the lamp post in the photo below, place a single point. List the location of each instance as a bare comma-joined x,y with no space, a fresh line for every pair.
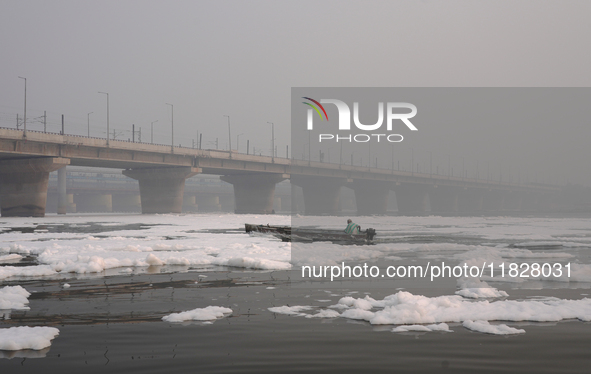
272,139
104,93
152,132
229,135
25,119
88,115
171,127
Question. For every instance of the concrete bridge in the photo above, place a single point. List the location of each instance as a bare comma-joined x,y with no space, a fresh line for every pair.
25,164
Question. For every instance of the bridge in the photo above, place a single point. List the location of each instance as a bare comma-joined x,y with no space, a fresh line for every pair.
161,171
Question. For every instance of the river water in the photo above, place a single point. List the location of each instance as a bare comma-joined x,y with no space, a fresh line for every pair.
106,281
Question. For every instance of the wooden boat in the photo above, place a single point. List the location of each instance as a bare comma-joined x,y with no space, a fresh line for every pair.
287,234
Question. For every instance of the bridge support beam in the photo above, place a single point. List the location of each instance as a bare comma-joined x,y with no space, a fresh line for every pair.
162,189
412,198
444,199
62,207
371,196
254,193
23,185
321,194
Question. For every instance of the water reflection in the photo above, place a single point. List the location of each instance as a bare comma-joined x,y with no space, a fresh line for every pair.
25,353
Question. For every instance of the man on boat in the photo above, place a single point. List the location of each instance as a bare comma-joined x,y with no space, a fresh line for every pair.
352,228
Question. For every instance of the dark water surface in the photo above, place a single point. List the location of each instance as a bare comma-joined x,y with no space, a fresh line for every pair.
114,325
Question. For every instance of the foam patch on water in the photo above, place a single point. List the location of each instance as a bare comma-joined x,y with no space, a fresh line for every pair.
290,310
487,328
474,288
24,337
14,297
12,258
406,308
200,314
423,328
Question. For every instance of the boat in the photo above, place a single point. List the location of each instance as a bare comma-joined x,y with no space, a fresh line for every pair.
288,234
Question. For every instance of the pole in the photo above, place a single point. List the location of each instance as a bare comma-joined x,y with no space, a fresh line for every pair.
63,125
25,119
88,115
287,151
44,121
229,135
200,137
105,93
133,133
247,146
171,127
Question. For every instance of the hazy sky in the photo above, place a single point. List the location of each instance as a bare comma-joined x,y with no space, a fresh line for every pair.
241,58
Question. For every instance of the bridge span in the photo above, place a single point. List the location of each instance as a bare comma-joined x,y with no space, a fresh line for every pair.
25,164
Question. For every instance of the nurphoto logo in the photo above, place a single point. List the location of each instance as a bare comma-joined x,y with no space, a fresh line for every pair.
344,119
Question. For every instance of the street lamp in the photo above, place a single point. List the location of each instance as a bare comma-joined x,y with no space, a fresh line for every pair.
25,120
171,127
104,93
88,115
272,139
152,132
238,141
229,135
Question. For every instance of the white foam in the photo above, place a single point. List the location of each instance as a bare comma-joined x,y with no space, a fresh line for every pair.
24,337
12,258
200,314
290,310
423,328
474,288
326,313
487,328
14,297
406,308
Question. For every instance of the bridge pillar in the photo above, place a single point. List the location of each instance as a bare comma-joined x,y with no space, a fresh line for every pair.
189,203
23,185
444,199
371,196
412,198
321,194
208,203
470,200
162,189
61,191
254,193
